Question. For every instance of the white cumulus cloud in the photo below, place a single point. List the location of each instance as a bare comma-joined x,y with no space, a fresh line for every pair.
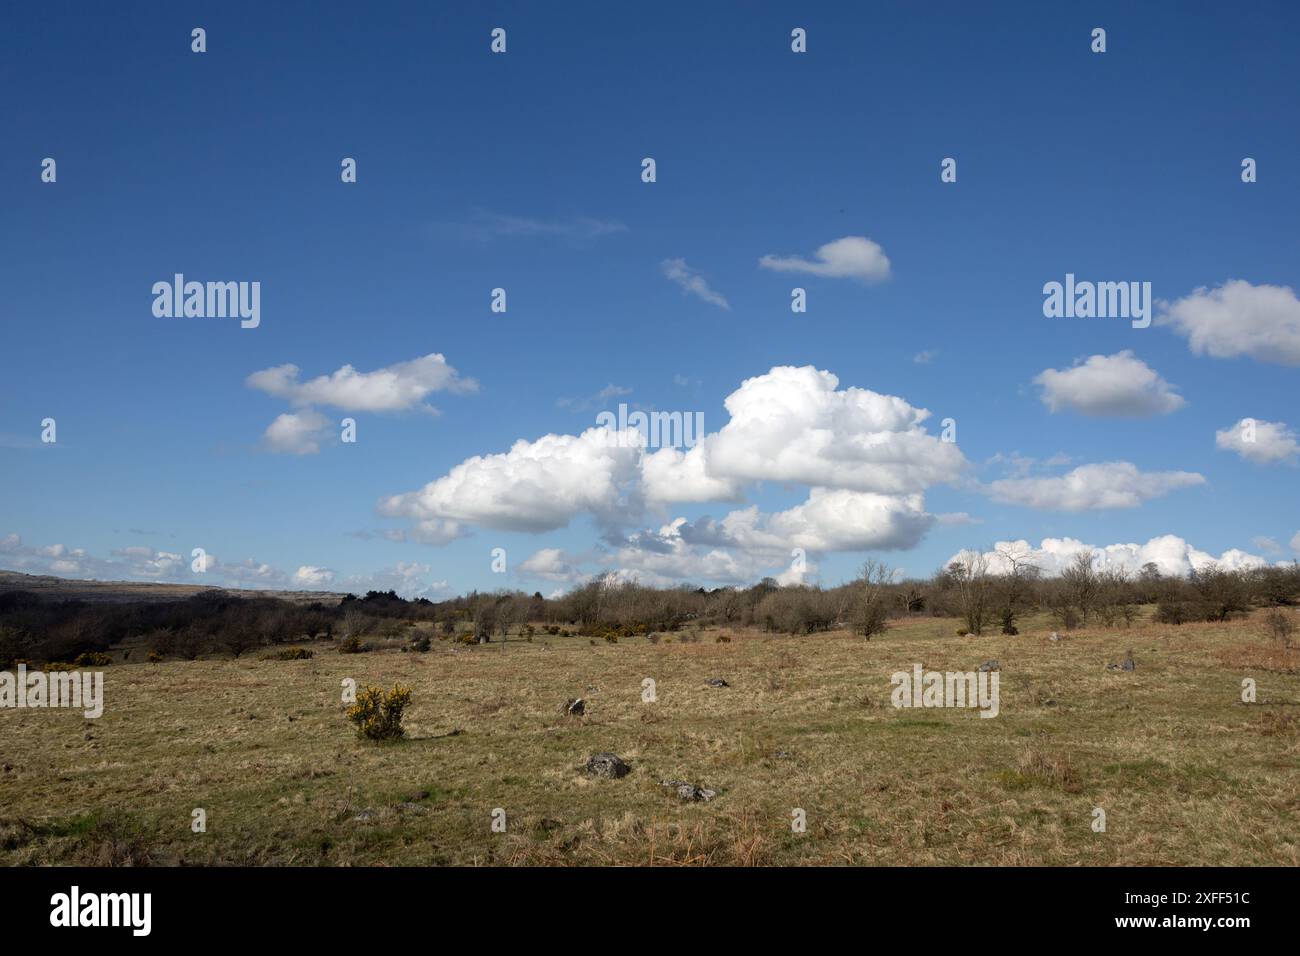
1170,553
829,520
551,564
797,425
865,458
853,257
1113,484
310,576
1118,386
395,388
536,486
1264,443
1237,318
296,433
673,475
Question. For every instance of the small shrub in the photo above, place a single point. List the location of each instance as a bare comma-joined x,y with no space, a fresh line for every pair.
378,715
153,657
722,639
351,645
289,654
93,659
1065,617
1281,626
422,644
870,618
610,639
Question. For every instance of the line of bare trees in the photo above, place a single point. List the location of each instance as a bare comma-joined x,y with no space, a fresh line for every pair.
985,593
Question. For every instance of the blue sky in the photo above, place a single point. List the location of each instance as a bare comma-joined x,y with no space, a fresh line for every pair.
522,171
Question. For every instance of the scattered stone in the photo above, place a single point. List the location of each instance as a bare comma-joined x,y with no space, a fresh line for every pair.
1054,637
1128,665
783,755
990,666
717,682
409,806
575,707
365,816
689,791
608,765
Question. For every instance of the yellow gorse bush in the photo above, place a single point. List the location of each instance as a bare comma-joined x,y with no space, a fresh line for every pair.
378,714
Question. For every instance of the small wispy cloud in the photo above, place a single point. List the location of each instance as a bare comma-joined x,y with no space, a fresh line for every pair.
1266,544
485,226
692,283
593,401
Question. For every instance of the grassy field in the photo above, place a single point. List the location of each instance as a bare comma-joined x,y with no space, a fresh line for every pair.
1185,771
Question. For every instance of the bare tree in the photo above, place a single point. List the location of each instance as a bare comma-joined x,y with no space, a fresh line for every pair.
869,614
505,616
1016,585
970,575
1082,584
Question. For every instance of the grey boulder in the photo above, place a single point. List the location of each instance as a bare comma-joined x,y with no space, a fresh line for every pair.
607,765
689,791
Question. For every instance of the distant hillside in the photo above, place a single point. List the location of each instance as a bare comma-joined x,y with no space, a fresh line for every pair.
126,592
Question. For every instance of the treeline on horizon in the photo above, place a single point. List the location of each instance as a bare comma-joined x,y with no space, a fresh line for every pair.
38,629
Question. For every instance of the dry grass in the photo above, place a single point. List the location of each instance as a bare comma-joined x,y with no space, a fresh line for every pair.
1187,773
